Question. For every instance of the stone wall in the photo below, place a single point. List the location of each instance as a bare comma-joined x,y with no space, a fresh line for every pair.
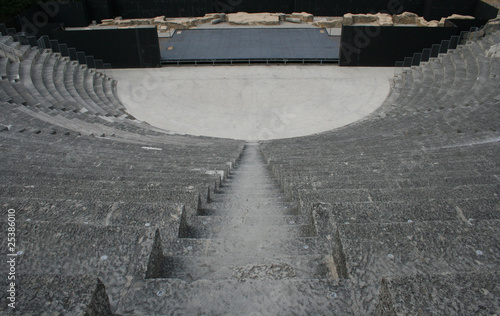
243,19
405,18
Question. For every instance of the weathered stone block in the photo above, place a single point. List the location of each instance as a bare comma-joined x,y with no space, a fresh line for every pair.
330,22
243,18
405,18
302,16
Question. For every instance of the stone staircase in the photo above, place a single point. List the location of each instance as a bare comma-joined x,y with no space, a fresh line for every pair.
250,251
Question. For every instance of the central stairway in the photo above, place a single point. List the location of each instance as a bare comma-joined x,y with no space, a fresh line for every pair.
250,251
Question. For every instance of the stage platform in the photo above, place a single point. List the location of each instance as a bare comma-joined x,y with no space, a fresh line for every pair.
250,45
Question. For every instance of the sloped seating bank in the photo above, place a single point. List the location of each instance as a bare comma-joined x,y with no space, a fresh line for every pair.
411,192
405,201
90,186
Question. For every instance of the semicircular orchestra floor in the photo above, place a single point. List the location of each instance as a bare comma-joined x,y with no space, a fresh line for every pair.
252,102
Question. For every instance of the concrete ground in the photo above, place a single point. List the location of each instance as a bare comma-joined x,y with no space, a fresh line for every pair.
252,102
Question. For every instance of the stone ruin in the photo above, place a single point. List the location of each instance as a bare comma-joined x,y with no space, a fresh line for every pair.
268,19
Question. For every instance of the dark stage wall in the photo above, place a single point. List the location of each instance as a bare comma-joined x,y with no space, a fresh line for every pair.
140,48
384,45
123,48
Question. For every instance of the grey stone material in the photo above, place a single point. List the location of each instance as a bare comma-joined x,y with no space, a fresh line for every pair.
243,268
165,215
474,293
395,214
385,212
282,297
392,249
209,229
236,242
69,249
93,249
191,198
58,294
250,220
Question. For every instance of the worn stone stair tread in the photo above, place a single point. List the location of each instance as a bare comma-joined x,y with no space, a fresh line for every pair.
214,268
225,230
209,210
398,249
231,297
249,219
266,247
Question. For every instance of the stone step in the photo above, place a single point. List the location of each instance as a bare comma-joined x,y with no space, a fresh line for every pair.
413,195
98,87
239,231
294,246
88,85
47,75
78,248
246,268
57,77
247,209
400,249
34,78
430,146
139,174
4,62
249,220
114,254
168,153
251,297
12,93
392,181
463,191
357,152
96,213
57,294
474,293
27,71
189,197
70,71
404,211
80,80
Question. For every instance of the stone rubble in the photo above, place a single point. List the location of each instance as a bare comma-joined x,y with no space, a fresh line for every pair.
165,24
